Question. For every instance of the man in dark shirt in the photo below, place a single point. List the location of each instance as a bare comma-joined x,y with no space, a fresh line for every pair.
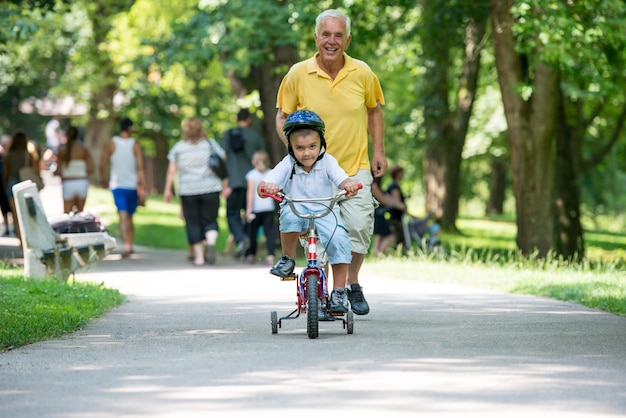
240,143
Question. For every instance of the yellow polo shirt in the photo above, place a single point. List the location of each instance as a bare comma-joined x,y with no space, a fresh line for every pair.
341,103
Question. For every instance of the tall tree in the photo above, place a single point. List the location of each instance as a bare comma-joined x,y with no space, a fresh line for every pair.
103,78
592,109
449,27
553,59
529,93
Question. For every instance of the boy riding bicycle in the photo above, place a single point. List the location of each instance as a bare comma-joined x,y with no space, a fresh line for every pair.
309,172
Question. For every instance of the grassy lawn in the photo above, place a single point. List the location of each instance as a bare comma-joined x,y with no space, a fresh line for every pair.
601,288
483,255
36,310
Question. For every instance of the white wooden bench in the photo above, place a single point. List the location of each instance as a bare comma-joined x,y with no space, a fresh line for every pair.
46,253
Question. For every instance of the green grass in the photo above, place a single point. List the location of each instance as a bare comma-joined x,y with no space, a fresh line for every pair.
600,288
483,255
36,310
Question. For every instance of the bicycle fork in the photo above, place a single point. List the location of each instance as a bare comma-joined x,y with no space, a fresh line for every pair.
312,270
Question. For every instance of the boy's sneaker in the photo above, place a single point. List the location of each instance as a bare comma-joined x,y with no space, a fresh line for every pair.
358,304
338,301
284,267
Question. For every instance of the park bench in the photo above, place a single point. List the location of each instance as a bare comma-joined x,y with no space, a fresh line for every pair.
47,253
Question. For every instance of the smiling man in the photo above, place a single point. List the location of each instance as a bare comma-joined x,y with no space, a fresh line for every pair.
347,95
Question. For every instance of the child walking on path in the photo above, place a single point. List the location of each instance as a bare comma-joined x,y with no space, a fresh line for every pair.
260,212
309,172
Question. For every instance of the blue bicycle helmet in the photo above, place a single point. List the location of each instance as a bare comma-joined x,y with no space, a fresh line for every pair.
304,119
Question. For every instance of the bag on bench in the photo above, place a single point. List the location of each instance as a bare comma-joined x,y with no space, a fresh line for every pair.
76,223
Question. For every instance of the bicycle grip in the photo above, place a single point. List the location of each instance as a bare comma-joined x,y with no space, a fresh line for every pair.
273,196
359,187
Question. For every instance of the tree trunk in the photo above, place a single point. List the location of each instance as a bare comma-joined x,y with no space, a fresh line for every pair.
267,84
434,98
531,126
434,168
466,95
102,116
570,242
98,131
267,80
497,186
446,130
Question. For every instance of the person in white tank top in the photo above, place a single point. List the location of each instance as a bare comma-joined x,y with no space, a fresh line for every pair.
121,170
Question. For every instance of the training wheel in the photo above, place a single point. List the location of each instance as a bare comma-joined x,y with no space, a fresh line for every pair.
350,322
274,322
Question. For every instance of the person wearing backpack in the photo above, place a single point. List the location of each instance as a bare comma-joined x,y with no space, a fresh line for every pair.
240,143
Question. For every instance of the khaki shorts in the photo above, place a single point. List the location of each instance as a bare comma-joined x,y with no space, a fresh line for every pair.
357,214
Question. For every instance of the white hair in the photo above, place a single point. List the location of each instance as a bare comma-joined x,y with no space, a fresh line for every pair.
333,14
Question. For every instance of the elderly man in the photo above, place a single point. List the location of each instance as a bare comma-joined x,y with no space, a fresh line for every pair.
347,95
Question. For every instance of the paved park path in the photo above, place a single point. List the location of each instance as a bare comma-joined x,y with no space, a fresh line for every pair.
197,342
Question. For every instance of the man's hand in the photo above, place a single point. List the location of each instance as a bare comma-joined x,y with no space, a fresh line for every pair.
379,164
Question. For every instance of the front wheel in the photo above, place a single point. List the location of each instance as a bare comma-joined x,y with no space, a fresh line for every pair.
313,301
350,322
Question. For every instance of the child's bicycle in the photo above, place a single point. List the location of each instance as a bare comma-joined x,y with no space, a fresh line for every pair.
312,283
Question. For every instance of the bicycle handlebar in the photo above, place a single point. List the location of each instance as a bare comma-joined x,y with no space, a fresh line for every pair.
280,196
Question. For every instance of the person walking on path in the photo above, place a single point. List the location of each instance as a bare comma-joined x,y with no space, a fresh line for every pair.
20,154
347,95
5,206
199,188
240,143
260,212
121,171
74,166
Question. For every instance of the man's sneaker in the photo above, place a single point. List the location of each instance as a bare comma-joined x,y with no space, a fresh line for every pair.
358,304
284,267
338,301
241,247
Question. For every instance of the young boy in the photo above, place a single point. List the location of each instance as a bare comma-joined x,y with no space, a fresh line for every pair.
308,172
260,212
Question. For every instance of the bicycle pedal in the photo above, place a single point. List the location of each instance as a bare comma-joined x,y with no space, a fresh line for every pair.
291,277
337,313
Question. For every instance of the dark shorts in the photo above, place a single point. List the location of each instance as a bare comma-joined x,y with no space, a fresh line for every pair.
381,223
200,212
125,200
